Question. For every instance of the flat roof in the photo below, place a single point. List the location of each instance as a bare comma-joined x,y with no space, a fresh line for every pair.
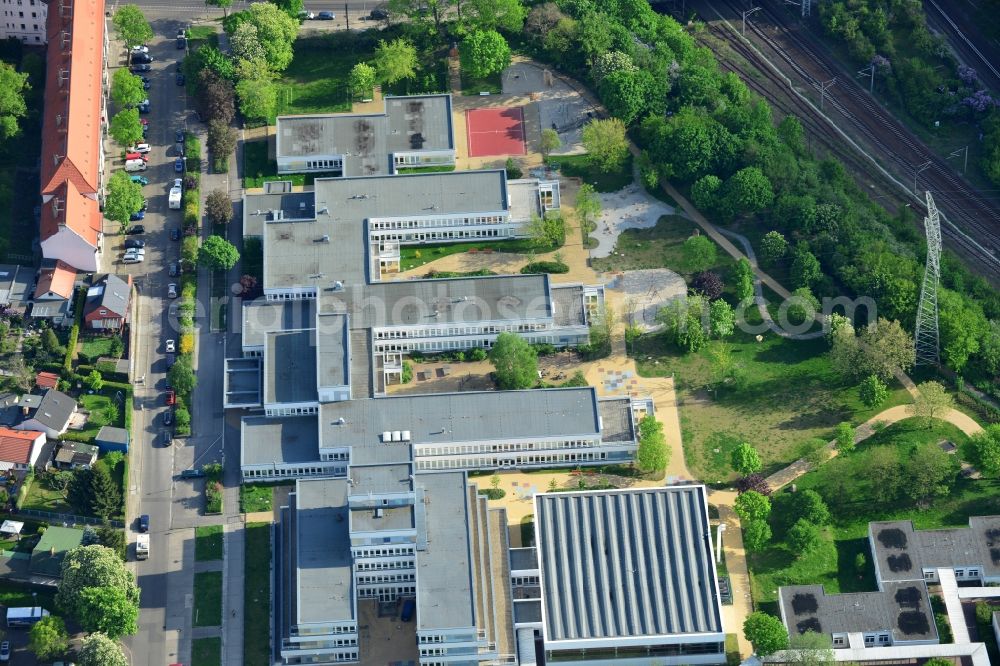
902,608
325,580
286,439
567,304
393,478
616,420
261,317
442,418
444,581
382,519
626,563
290,367
332,344
902,552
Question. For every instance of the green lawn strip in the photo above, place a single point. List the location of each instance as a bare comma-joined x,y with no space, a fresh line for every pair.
732,650
208,599
42,499
474,86
578,166
443,168
208,543
254,499
257,595
206,651
95,346
13,594
316,79
842,482
414,256
258,169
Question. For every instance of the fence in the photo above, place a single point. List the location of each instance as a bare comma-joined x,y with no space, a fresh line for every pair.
53,518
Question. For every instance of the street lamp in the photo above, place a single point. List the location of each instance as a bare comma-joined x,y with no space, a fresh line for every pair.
965,153
745,15
917,171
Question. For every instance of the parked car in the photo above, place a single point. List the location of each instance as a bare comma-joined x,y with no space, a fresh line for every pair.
175,234
326,16
145,204
142,180
173,269
146,83
141,48
172,290
5,651
171,359
171,346
166,438
179,66
180,79
179,165
378,14
140,67
134,243
192,474
136,229
144,107
145,131
136,156
168,417
140,148
181,40
142,58
137,215
179,135
133,259
171,397
306,15
144,523
409,606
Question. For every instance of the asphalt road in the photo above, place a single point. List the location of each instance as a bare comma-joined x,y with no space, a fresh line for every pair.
188,9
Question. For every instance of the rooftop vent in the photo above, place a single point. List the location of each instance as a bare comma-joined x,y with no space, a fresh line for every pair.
379,513
339,421
63,76
386,436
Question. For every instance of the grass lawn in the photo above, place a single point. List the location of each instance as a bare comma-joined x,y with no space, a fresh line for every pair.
473,86
43,499
578,166
414,256
790,405
95,346
843,484
258,169
17,222
208,543
206,651
255,498
15,594
316,81
101,409
208,599
257,595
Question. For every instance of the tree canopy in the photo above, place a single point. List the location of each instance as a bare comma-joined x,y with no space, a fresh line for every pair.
507,15
362,80
13,85
218,253
986,445
99,650
484,52
933,400
751,505
126,88
766,632
515,362
124,198
652,453
132,26
276,31
108,610
395,60
48,638
605,143
218,207
746,460
88,567
125,127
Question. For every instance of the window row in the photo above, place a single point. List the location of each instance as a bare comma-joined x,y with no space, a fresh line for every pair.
420,223
424,452
491,463
452,331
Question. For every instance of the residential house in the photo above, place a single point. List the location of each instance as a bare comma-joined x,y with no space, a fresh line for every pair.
46,380
53,297
24,20
108,304
72,157
15,286
48,554
10,409
19,449
50,413
75,455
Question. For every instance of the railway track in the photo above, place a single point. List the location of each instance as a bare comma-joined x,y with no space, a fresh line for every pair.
972,222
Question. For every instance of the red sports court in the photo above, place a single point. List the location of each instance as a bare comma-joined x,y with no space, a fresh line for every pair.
495,131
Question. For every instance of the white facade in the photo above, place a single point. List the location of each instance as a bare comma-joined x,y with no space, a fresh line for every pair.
23,20
71,248
34,424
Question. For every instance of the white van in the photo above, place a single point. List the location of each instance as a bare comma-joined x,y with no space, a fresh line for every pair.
174,199
135,165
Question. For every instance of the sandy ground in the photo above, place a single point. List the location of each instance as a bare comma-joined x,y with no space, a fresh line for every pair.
645,292
630,208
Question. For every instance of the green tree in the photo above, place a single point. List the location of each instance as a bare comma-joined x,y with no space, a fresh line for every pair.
883,474
48,638
706,193
802,306
515,362
108,610
395,60
605,143
749,191
929,473
652,453
986,445
804,537
744,280
106,499
811,649
773,246
218,207
132,26
699,253
224,5
550,141
627,93
484,52
125,127
276,31
765,632
810,507
99,650
845,437
126,88
756,535
546,231
92,566
609,62
13,85
962,325
884,347
873,392
805,270
213,60
683,320
94,381
217,253
113,539
182,417
939,661
932,401
291,7
124,198
751,505
507,15
245,43
258,98
181,375
722,318
221,138
745,459
588,203
361,80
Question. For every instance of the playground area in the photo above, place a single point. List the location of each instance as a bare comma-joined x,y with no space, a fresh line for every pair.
560,106
495,131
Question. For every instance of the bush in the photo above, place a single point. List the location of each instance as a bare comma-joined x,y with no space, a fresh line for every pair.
189,250
493,493
477,354
186,344
545,267
213,497
407,375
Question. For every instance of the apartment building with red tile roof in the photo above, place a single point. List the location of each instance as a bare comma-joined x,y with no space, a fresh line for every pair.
72,159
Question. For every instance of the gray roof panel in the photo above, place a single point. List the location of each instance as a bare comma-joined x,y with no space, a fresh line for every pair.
325,580
290,367
626,563
332,350
902,552
288,439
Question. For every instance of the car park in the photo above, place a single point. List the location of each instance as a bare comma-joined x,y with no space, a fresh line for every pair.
172,271
141,180
136,229
179,165
134,243
326,16
192,474
140,67
172,290
144,523
137,215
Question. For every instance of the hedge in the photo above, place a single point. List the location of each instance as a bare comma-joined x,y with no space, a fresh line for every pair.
22,492
108,375
74,333
545,267
189,250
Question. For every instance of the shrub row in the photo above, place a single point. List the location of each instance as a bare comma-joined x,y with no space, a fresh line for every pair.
545,267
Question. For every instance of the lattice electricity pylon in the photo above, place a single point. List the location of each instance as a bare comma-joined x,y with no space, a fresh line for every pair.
806,6
926,337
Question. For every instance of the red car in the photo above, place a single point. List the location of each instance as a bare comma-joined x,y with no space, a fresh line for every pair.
137,156
171,397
